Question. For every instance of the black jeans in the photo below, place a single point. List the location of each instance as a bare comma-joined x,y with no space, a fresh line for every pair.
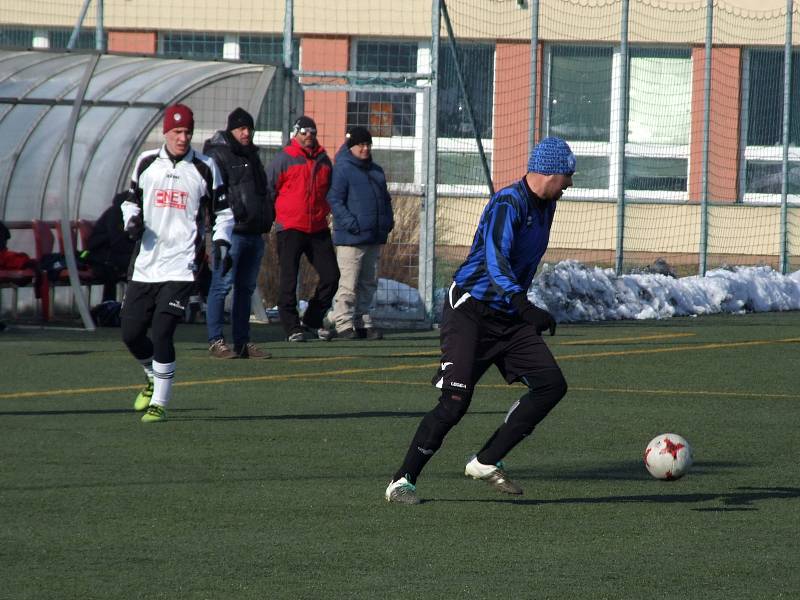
318,249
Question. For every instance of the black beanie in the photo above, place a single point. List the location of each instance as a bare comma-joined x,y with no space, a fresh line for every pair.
358,135
303,122
240,118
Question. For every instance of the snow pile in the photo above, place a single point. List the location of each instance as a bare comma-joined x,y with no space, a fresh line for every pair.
574,292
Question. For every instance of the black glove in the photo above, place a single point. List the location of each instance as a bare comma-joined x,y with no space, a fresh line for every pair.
135,227
222,256
532,314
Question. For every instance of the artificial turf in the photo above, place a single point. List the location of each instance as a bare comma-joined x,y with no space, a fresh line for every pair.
267,480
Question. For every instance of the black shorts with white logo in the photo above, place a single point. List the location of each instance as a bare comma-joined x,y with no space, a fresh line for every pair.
143,300
475,336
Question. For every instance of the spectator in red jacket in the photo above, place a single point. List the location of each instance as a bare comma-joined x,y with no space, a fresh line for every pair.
298,179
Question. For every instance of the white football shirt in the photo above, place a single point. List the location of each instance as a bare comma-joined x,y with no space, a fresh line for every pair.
175,197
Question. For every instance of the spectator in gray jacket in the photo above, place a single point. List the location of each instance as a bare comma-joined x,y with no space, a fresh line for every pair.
362,220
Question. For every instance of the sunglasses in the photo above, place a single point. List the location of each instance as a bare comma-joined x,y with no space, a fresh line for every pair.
307,131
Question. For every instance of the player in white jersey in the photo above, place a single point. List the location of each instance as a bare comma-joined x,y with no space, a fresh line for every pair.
172,190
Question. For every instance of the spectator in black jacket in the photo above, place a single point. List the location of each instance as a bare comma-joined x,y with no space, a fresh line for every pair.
109,248
237,157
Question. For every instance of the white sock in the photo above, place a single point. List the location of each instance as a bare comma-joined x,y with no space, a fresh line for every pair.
147,365
163,373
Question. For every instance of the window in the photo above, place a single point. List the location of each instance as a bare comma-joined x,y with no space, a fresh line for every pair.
59,38
762,125
384,114
198,46
269,49
580,93
461,169
765,95
578,86
583,89
16,38
399,116
266,49
659,121
398,165
477,69
765,177
659,93
666,174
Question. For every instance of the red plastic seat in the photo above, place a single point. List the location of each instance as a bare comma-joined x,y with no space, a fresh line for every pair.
44,242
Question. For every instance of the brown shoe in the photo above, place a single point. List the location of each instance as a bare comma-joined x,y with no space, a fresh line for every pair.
373,333
250,350
219,349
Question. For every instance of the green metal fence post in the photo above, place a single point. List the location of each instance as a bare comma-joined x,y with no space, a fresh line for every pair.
427,216
288,29
787,107
622,134
534,85
706,128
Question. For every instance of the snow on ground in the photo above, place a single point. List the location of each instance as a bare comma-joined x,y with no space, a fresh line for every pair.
574,292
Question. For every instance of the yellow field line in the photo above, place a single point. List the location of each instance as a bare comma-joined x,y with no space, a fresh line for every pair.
640,338
684,348
224,380
395,368
575,388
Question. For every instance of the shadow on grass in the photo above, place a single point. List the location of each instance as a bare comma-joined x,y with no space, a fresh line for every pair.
629,470
741,500
172,411
95,411
68,353
367,414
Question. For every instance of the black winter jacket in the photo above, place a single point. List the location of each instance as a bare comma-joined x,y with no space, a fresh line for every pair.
246,181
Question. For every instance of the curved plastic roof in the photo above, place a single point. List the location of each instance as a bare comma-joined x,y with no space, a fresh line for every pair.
121,102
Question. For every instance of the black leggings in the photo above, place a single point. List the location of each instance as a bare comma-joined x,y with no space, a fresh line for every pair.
161,347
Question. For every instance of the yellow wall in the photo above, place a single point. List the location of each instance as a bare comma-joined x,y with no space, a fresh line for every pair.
649,228
676,21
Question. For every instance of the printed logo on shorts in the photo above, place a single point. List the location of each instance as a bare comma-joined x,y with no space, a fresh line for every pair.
445,365
171,199
458,384
177,304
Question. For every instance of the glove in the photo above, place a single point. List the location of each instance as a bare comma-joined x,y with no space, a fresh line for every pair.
222,256
135,227
533,315
132,217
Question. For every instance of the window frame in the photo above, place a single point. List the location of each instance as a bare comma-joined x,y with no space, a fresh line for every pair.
758,153
416,142
609,148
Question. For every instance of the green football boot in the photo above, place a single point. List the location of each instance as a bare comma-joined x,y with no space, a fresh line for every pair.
143,399
154,414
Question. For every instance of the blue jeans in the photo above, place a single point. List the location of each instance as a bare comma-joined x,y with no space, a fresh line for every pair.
247,250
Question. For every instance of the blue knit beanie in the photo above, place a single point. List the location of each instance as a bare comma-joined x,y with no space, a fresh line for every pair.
552,156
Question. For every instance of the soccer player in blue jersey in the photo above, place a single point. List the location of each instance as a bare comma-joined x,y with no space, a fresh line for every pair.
488,320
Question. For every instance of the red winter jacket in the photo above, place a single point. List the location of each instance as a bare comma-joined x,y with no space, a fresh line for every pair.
298,181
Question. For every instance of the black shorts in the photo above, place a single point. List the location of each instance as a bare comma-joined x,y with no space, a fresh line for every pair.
475,336
143,300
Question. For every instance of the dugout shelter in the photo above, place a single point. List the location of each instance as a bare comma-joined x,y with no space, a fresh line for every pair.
73,123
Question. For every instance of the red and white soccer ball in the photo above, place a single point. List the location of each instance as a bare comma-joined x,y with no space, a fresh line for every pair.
668,456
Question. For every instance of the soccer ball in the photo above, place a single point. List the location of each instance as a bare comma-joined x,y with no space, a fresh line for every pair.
668,456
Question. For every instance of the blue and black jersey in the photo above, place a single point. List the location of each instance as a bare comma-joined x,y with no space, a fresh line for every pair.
511,239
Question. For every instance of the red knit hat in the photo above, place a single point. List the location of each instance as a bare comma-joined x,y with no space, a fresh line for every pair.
178,115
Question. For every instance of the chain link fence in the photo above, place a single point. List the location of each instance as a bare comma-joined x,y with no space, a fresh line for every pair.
685,116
